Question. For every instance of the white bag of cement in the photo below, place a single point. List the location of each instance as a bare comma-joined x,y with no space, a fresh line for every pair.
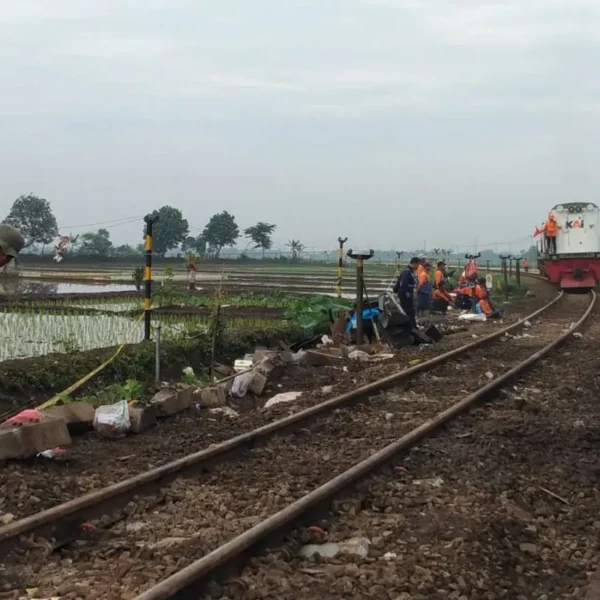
112,421
481,318
241,384
283,397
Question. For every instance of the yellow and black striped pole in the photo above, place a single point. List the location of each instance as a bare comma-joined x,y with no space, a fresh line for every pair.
149,220
338,286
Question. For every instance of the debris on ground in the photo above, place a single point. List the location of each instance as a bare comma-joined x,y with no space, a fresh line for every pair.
226,411
356,546
282,398
112,421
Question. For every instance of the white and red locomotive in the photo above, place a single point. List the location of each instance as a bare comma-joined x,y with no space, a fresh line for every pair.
576,263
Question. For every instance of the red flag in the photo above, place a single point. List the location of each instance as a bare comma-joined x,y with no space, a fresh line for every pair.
537,232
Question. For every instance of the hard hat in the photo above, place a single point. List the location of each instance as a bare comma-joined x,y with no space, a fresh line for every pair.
11,240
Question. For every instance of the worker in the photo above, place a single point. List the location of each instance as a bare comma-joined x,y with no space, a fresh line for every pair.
441,298
405,288
464,297
11,243
483,301
424,289
526,265
422,260
550,230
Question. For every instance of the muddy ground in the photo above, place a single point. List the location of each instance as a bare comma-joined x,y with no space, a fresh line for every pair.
93,462
193,516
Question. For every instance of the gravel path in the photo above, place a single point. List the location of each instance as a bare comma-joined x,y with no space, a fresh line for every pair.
502,504
191,517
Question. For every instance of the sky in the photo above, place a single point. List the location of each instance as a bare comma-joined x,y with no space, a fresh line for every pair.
396,123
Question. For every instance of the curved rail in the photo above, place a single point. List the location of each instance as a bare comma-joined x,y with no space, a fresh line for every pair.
61,522
186,582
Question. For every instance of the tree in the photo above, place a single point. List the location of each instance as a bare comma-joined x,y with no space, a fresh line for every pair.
96,244
34,218
195,244
221,231
260,234
124,251
169,231
296,247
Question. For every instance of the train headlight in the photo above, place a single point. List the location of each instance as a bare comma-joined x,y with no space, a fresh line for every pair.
578,209
560,208
571,209
590,207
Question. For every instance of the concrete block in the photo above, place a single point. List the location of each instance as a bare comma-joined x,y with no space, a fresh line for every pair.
271,367
37,437
262,353
213,396
170,401
10,446
315,358
258,383
78,416
185,394
142,417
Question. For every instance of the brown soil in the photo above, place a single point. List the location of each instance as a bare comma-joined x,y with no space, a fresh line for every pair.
199,514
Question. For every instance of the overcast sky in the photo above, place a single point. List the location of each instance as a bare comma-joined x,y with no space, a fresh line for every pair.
392,122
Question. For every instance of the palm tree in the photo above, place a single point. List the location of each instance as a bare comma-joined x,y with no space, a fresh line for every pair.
296,247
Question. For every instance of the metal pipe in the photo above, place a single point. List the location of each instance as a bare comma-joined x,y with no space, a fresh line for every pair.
69,509
157,354
359,300
338,286
201,568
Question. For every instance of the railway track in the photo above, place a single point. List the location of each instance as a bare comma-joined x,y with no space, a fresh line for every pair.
220,514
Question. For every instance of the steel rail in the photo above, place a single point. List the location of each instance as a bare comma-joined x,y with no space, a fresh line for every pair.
187,582
62,521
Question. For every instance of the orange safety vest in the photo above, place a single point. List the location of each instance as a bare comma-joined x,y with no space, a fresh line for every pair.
551,228
484,300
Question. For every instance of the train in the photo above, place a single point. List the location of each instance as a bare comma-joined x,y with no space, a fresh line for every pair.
575,266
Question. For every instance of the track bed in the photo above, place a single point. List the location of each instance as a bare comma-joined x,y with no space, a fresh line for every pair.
192,516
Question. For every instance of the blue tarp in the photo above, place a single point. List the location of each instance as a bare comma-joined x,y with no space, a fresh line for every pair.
367,314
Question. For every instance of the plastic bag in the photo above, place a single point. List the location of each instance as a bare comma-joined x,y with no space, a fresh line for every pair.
473,317
241,384
112,421
30,415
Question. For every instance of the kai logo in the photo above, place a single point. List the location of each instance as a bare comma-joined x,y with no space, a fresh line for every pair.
575,224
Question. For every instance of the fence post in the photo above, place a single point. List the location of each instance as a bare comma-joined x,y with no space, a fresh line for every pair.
338,287
505,273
